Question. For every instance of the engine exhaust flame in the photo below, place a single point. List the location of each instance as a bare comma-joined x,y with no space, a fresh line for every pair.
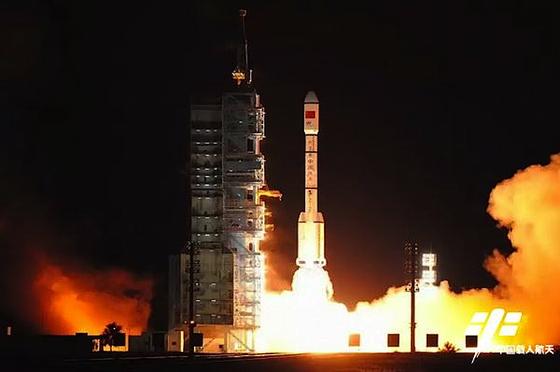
307,319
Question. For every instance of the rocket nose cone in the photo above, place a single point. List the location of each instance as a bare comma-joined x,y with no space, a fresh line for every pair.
311,97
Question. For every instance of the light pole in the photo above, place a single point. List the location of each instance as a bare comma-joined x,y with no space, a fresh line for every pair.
411,269
194,267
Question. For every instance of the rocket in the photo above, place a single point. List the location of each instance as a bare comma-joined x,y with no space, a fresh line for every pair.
311,226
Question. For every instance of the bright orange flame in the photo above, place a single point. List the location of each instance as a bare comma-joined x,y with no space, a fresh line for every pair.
307,320
87,302
270,193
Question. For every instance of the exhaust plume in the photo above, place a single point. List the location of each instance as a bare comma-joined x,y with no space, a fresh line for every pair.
528,205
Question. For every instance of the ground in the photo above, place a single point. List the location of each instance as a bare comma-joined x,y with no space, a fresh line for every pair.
386,362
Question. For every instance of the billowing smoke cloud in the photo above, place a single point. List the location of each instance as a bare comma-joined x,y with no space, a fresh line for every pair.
528,205
80,301
49,286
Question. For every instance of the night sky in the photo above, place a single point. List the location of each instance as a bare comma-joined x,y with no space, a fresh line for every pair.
425,107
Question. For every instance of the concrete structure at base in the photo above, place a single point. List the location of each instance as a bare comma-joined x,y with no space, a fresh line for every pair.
227,220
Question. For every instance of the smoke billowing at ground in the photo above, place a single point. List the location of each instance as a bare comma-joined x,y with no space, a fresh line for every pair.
51,285
53,295
80,301
528,205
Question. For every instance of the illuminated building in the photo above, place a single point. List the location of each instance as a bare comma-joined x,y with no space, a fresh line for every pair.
429,274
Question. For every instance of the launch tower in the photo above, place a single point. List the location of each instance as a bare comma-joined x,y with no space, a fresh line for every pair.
227,217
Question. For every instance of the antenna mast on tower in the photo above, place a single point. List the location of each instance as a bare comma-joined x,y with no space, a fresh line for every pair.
242,73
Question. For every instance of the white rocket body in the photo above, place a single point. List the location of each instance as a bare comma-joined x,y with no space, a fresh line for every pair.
311,226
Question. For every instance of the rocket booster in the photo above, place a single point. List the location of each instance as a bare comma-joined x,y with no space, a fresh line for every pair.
311,226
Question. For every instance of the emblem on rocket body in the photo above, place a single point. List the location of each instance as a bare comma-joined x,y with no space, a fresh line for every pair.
311,226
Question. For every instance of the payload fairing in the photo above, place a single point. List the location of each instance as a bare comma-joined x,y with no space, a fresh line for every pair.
311,226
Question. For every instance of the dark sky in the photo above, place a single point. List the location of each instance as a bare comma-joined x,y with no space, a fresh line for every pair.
425,107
